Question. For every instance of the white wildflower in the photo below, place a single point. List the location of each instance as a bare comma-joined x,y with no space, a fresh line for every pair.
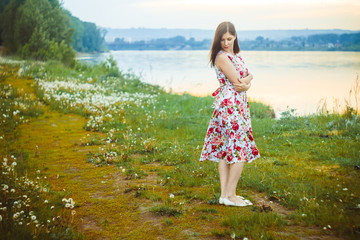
16,215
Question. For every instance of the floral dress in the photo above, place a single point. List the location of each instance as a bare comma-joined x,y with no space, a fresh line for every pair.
229,135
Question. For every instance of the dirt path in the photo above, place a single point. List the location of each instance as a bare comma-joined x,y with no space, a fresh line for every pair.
104,210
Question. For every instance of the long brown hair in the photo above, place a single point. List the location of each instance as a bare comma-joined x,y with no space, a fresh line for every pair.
223,28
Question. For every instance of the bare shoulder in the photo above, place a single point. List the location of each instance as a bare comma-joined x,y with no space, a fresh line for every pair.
221,55
222,59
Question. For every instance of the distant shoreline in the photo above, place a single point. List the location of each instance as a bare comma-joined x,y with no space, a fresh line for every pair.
320,42
84,54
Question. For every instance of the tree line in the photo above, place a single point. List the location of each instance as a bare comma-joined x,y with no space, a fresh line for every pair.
320,42
327,42
43,30
174,43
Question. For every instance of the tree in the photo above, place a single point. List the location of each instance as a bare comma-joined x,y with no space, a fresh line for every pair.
38,29
7,23
87,36
323,38
37,45
3,4
41,14
77,42
260,39
42,29
92,39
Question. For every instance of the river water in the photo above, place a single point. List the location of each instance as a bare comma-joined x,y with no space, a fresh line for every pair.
285,80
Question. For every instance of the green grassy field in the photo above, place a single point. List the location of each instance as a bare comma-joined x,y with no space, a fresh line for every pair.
304,185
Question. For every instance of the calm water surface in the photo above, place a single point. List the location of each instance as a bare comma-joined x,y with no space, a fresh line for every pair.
298,80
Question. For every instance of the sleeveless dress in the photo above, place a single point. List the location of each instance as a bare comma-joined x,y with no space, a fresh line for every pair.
229,135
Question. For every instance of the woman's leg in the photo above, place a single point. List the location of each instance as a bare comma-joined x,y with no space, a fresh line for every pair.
232,181
223,174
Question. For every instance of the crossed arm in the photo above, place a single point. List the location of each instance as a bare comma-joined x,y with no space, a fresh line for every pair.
226,66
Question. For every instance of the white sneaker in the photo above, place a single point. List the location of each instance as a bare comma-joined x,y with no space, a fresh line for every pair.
227,202
221,200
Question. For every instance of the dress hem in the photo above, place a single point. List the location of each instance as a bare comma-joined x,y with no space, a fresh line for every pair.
217,160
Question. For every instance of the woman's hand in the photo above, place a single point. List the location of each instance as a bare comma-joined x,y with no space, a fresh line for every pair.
247,79
239,87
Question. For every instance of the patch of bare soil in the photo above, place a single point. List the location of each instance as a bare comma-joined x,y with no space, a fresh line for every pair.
292,231
266,204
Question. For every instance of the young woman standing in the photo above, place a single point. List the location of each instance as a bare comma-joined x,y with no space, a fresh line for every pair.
229,139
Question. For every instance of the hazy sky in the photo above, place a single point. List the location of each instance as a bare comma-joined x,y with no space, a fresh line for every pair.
207,14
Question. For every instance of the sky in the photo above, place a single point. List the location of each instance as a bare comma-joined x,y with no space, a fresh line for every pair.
207,14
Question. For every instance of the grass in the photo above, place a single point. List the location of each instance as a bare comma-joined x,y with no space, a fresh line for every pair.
306,173
165,210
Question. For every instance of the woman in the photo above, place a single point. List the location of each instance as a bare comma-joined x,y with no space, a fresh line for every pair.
229,139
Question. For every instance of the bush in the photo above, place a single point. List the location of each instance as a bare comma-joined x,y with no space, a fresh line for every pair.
40,48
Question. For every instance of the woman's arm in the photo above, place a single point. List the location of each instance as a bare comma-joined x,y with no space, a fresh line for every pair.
226,66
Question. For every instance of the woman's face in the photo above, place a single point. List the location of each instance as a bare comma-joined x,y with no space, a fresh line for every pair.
227,42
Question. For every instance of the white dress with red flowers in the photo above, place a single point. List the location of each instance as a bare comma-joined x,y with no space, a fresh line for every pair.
229,135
